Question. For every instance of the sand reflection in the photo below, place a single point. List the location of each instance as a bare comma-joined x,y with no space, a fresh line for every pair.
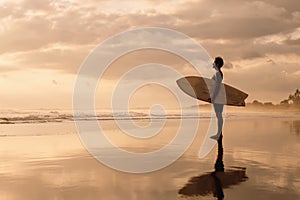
295,127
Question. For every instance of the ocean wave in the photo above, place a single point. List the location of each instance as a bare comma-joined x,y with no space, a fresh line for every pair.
22,117
19,117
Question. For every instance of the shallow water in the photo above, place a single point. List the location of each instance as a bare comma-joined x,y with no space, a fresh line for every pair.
48,161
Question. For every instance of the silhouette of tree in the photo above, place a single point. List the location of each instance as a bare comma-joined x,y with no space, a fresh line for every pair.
295,98
268,104
284,102
257,103
293,101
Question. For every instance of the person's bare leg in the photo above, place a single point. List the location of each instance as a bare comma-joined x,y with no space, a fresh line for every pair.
220,126
220,122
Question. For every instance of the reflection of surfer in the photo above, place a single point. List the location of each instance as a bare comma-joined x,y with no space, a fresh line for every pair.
219,167
218,77
214,182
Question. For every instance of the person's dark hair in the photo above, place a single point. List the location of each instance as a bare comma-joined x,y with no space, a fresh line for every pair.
219,62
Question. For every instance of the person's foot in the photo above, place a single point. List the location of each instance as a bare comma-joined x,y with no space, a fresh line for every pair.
215,137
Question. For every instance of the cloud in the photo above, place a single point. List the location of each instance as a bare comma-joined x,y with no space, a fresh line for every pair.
228,65
292,42
234,19
240,24
30,25
59,34
54,82
266,80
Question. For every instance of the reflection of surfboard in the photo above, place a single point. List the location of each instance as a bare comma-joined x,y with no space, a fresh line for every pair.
213,182
201,88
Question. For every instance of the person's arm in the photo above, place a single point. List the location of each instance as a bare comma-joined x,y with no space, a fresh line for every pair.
216,91
217,87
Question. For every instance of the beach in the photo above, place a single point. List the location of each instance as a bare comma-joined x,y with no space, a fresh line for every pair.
48,161
125,100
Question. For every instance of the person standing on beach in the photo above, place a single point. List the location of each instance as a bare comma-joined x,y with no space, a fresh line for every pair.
218,77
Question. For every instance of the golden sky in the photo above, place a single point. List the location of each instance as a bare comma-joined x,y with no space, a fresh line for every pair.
44,42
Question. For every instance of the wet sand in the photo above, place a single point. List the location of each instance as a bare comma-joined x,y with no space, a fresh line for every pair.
47,161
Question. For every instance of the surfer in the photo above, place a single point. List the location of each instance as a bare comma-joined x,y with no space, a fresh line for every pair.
218,77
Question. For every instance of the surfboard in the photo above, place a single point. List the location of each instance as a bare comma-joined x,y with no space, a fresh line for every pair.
203,88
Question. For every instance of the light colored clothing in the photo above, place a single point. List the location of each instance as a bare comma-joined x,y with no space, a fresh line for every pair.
218,77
